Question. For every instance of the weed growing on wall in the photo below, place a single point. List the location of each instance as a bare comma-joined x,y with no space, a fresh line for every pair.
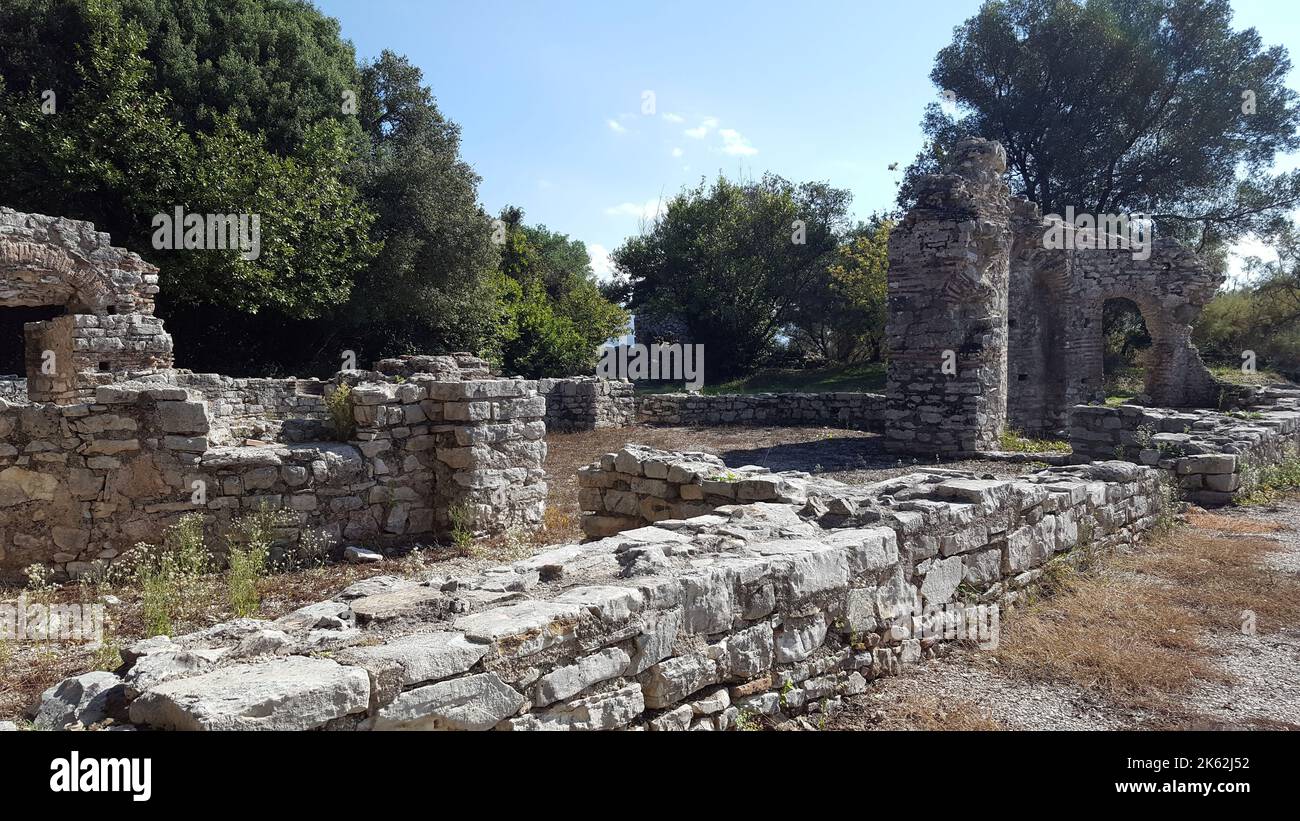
339,406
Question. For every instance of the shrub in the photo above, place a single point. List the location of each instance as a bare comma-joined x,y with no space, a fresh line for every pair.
339,406
168,574
250,541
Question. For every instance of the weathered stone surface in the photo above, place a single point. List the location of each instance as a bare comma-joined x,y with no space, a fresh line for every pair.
522,629
566,682
476,702
85,699
414,659
293,693
605,711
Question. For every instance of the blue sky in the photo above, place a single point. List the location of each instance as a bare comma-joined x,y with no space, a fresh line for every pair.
550,96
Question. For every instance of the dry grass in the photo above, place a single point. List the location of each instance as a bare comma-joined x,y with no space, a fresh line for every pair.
1204,520
1129,629
916,711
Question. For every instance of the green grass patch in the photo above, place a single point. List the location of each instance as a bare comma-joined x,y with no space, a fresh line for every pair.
1014,441
1270,482
1234,375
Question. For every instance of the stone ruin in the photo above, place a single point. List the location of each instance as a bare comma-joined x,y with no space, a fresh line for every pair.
108,331
708,595
1019,326
107,444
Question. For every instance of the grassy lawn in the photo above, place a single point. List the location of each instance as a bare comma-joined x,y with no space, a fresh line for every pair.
862,377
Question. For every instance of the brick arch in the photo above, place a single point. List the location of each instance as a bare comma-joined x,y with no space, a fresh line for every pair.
36,273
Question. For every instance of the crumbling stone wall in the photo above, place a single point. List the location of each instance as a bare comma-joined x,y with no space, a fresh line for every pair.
839,409
1212,457
109,332
82,483
701,624
1056,330
947,330
259,409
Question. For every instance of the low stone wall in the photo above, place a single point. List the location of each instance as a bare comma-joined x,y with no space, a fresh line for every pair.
857,411
983,532
1213,456
587,403
81,484
702,624
258,408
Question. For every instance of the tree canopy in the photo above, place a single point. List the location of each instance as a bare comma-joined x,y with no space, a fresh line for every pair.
732,261
1145,106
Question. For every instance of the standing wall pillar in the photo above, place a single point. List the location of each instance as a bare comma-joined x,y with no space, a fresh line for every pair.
949,274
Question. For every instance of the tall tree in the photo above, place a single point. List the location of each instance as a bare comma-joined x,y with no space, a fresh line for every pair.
431,288
842,319
1151,106
733,261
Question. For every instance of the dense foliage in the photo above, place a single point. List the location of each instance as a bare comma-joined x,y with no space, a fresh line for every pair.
372,238
1125,106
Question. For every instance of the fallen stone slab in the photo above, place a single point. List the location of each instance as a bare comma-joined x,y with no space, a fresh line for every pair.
293,693
414,659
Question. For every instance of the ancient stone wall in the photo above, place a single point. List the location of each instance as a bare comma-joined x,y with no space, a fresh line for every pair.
840,409
82,483
1213,457
587,403
108,333
701,624
947,330
258,409
1056,329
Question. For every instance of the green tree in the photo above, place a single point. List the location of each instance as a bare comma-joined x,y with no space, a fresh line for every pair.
1124,106
733,262
430,289
276,67
842,319
1261,314
557,317
111,153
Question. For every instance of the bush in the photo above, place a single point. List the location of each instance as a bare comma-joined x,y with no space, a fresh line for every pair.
250,547
339,406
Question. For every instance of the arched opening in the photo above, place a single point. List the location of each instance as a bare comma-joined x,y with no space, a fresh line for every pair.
1126,349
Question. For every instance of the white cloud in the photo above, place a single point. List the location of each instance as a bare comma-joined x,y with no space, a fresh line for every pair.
733,142
674,118
601,265
677,151
616,126
647,210
706,125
